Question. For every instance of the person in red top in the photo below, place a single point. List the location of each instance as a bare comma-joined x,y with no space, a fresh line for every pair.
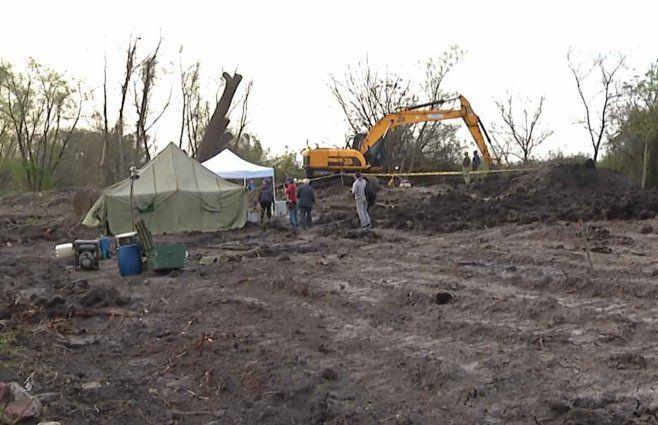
291,202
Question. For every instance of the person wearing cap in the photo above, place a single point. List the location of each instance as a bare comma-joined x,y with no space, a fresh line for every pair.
359,192
305,202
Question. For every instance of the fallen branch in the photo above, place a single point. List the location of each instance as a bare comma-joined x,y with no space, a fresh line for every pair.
197,412
235,247
379,204
108,311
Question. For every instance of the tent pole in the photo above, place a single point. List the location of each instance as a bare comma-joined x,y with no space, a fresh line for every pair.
274,190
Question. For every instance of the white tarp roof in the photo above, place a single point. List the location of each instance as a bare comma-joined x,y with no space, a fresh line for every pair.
228,165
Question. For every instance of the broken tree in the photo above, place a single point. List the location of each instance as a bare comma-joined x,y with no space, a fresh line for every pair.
212,142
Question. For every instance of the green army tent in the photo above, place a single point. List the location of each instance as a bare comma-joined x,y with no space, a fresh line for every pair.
174,193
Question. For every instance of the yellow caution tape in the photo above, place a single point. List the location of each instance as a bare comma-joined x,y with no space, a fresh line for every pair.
428,173
450,173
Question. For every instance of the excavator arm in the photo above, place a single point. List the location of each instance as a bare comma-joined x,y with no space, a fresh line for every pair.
414,116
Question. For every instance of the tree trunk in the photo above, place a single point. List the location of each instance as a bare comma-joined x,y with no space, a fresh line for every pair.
211,144
645,163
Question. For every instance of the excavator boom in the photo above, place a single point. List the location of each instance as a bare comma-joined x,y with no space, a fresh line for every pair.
414,116
363,156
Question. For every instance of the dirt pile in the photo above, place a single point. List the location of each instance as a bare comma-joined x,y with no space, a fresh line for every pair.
28,217
568,192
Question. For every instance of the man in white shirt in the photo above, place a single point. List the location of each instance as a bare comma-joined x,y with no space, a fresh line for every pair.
359,191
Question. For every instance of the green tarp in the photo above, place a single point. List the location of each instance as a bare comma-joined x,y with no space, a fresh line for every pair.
174,193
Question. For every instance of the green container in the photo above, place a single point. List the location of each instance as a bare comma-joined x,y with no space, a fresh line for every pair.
167,257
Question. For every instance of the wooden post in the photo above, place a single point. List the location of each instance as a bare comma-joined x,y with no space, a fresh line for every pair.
133,176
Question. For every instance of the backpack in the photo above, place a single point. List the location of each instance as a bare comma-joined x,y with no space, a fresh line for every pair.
371,192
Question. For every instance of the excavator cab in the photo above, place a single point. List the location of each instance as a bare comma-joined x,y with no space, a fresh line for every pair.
376,154
355,141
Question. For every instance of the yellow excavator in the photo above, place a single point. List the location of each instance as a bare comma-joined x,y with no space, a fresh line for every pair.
366,153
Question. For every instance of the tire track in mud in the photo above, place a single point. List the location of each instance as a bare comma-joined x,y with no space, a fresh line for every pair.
347,321
386,340
574,345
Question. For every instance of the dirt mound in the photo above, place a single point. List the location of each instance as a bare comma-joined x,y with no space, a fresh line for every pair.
567,192
28,217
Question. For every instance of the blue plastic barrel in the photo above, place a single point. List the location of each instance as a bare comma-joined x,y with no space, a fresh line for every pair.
104,243
130,260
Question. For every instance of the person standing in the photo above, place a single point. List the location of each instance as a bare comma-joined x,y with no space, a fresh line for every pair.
359,192
466,166
291,200
265,198
305,202
476,163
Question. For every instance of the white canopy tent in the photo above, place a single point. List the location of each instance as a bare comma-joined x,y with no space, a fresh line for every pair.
228,165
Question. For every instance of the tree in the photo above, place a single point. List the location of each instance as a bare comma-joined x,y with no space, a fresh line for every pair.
245,107
7,143
435,139
143,95
213,141
524,132
114,155
634,150
365,96
196,110
285,164
598,103
43,109
138,81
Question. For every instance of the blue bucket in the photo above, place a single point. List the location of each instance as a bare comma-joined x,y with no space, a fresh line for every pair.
130,260
104,243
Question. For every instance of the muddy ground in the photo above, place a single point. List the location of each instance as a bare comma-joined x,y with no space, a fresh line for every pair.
339,327
568,192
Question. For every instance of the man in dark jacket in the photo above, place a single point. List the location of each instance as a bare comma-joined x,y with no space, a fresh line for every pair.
265,198
476,161
305,202
475,164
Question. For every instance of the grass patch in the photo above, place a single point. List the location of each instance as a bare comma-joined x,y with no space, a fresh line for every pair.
8,345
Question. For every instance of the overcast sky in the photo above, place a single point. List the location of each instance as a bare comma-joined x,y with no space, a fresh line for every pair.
289,48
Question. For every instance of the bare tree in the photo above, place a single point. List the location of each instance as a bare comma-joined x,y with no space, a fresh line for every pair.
143,95
7,142
196,111
365,96
43,109
138,79
130,69
436,70
243,116
598,107
105,125
113,158
523,130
